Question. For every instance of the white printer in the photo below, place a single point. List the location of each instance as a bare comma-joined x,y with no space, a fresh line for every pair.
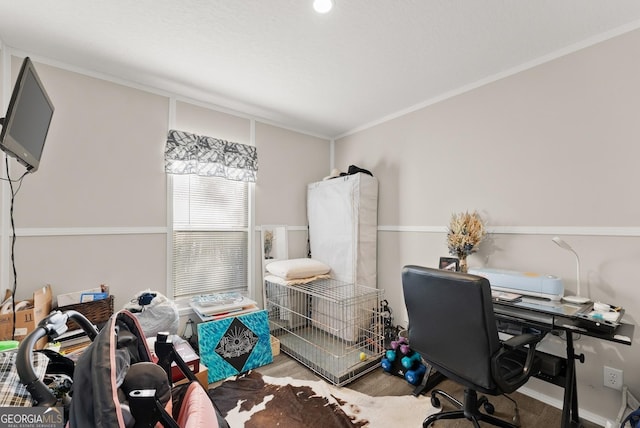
527,283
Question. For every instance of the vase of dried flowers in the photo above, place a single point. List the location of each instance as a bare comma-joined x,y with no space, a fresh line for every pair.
464,235
464,267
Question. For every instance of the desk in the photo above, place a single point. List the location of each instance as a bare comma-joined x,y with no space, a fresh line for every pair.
548,317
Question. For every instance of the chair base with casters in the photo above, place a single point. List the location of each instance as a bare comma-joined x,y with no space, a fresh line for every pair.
469,409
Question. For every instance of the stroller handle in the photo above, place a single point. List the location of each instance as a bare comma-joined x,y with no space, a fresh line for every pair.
40,393
53,325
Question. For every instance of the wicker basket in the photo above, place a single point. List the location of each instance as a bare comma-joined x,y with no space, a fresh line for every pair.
97,311
275,346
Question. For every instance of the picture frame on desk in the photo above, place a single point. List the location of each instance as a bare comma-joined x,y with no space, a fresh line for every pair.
449,263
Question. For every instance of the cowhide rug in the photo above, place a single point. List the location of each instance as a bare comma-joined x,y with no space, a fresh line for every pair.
254,400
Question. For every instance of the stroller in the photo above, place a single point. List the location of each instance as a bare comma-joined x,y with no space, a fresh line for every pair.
115,384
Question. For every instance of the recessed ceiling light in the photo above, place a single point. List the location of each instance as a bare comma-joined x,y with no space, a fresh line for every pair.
322,6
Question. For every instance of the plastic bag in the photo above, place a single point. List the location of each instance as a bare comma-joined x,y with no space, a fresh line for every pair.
155,312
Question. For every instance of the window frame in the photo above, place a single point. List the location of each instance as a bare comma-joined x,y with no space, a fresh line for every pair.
251,242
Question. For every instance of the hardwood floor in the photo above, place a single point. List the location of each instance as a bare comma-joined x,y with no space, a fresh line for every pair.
533,413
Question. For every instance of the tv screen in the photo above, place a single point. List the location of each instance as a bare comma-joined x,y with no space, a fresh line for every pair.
26,124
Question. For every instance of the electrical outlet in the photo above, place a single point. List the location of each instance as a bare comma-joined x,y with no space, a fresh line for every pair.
613,378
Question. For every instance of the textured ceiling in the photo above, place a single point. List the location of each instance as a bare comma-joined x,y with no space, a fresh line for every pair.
325,74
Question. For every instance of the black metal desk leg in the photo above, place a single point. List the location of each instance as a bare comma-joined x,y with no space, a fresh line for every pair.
570,416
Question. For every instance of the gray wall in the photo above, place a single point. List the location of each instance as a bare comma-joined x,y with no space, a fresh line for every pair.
549,151
96,210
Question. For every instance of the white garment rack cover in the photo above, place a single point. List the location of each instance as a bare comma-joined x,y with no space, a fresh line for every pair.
343,226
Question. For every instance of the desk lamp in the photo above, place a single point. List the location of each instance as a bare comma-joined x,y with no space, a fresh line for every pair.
572,299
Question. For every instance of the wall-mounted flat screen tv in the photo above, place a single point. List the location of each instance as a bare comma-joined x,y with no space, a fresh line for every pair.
25,127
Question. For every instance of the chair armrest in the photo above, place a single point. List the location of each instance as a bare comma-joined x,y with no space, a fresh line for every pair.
508,347
521,340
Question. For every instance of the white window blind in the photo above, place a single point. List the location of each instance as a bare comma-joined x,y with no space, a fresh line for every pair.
210,235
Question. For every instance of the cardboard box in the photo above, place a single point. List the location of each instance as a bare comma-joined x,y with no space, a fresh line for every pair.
79,296
28,318
202,375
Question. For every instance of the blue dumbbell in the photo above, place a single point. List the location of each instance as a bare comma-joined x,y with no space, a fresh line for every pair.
414,377
386,365
391,355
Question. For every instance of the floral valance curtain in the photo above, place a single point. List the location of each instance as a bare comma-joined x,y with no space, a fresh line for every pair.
187,153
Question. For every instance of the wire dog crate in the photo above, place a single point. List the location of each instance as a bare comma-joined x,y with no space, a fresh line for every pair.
334,328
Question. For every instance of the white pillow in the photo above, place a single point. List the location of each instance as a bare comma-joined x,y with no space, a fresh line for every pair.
297,268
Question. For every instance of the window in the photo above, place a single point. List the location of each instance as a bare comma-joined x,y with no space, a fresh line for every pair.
210,212
210,235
